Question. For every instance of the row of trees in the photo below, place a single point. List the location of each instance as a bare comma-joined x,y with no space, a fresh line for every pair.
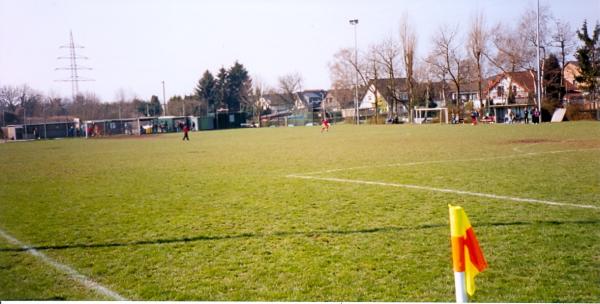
20,104
233,90
470,56
230,91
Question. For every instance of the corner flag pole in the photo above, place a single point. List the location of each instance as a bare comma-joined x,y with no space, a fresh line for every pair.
467,257
460,287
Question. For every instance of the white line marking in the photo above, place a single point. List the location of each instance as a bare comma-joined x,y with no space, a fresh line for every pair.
493,196
448,161
85,281
516,148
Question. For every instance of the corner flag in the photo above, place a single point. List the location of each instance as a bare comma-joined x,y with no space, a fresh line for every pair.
467,258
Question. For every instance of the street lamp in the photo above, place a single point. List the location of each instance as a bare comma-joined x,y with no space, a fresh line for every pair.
354,22
164,99
539,77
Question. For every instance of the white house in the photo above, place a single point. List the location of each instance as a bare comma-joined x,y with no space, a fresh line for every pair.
385,91
521,83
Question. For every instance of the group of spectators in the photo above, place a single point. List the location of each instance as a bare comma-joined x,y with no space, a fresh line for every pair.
526,116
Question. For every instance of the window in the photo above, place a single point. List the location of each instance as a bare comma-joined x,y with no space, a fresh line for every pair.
500,91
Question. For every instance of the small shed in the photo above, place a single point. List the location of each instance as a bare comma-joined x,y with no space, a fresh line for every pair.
41,131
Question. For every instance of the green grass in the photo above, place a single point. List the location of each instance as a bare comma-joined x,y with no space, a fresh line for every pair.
218,218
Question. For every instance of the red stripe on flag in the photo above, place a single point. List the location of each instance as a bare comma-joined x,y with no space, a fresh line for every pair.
475,253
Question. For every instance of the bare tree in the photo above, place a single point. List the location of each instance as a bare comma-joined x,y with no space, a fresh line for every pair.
121,98
477,41
562,39
54,105
30,103
259,89
408,40
510,51
341,74
288,85
434,72
10,97
344,66
373,67
368,67
527,29
86,106
342,69
448,58
386,56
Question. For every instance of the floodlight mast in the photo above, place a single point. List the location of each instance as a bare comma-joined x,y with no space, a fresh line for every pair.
164,99
539,78
354,22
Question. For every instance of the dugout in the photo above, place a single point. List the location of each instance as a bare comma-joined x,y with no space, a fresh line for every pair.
147,125
230,120
173,123
206,122
107,127
49,130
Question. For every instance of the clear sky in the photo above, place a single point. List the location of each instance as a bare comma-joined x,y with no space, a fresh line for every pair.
135,44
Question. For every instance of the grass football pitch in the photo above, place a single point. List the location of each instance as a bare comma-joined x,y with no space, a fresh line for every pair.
359,213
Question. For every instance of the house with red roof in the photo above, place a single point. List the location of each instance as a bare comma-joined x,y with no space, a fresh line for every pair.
522,85
505,109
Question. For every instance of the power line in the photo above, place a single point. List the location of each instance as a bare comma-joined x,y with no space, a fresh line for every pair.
73,66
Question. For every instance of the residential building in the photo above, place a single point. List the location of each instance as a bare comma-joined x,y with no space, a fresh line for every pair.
385,92
309,99
276,103
343,100
503,110
469,91
338,99
521,83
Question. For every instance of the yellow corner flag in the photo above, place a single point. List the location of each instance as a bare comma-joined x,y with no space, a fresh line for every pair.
467,258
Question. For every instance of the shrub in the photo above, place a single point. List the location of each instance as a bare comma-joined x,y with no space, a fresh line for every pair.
575,112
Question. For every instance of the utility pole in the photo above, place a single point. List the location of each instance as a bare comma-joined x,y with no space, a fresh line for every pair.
539,78
73,66
165,108
24,122
355,22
